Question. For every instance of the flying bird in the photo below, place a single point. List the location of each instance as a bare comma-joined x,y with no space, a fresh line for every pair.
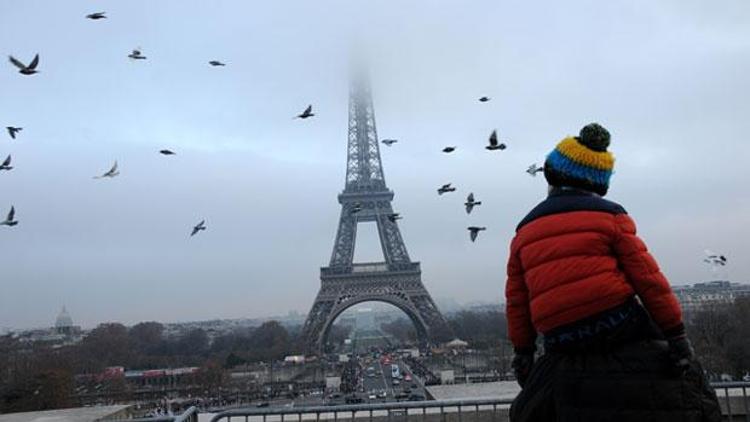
96,16
13,130
448,150
10,219
474,232
715,259
136,55
534,169
389,142
494,145
111,173
394,217
484,99
446,188
216,63
471,203
167,152
25,70
199,227
307,113
6,164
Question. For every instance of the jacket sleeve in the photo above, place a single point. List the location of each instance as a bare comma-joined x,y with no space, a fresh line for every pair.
517,307
644,275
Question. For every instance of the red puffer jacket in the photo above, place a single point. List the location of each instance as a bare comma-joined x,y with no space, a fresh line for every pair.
576,255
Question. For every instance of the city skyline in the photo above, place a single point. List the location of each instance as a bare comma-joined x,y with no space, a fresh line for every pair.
667,80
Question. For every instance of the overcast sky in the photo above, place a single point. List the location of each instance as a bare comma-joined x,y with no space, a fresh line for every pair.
669,79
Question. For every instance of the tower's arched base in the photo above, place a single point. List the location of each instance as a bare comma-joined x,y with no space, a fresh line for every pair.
373,282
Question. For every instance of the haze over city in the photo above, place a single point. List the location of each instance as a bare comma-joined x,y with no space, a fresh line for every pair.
668,80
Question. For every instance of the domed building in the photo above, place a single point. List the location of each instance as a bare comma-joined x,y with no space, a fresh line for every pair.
64,323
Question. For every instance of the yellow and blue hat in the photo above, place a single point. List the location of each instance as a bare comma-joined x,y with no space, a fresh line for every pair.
582,161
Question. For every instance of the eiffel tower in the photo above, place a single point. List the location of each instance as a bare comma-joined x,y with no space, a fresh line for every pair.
398,280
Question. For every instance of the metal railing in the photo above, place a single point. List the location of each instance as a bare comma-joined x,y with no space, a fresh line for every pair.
422,410
733,399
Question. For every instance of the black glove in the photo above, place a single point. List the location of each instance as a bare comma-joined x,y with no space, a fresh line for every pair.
680,352
522,363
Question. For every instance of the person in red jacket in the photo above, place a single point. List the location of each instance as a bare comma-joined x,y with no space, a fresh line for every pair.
580,276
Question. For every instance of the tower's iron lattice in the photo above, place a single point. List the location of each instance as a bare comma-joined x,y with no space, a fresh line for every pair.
366,198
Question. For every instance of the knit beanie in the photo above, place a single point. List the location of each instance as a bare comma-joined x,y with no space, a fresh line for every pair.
582,161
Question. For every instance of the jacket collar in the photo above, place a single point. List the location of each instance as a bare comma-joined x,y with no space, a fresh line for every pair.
571,191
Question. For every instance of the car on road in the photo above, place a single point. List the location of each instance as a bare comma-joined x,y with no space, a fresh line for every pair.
416,397
396,382
372,397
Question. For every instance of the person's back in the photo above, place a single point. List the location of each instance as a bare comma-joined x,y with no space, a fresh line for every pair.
579,275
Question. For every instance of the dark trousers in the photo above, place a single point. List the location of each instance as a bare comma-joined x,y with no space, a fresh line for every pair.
623,375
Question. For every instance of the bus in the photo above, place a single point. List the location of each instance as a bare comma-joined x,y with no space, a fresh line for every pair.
395,373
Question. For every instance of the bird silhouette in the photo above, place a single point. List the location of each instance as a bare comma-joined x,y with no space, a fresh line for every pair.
12,131
715,259
474,232
389,142
307,113
111,173
494,145
199,227
216,63
534,169
471,203
393,217
167,152
445,189
10,219
96,16
136,55
448,150
6,164
25,70
484,99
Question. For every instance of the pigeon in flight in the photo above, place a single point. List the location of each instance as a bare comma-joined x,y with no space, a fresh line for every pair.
10,219
199,227
715,259
111,173
307,113
216,63
494,145
96,16
389,142
25,70
394,217
474,232
136,55
448,150
356,208
484,99
534,169
13,130
471,203
6,164
167,152
446,188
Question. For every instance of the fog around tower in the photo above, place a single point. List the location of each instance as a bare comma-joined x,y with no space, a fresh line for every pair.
668,80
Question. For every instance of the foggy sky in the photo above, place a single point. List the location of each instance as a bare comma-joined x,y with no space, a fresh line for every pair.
668,79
